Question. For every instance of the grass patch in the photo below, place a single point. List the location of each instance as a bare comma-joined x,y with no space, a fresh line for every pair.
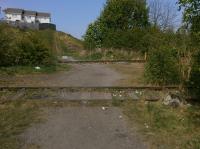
102,54
22,70
164,127
15,117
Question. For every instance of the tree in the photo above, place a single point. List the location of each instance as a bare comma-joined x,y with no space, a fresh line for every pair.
192,19
191,13
94,35
162,14
118,18
125,14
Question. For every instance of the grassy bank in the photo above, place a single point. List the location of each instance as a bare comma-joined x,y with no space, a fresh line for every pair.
15,117
164,127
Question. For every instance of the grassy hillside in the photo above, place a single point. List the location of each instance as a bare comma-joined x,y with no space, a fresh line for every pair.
31,48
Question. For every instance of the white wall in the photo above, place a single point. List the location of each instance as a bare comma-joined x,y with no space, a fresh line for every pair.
29,19
44,19
13,17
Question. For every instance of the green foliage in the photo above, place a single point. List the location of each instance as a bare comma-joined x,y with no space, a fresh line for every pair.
25,47
124,14
191,10
194,80
118,25
162,68
94,35
34,51
94,56
7,48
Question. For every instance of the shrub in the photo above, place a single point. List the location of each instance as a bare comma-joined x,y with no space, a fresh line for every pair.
162,68
34,51
7,48
25,47
95,56
194,80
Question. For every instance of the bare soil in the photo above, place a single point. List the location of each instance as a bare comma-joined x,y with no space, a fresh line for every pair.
82,128
132,74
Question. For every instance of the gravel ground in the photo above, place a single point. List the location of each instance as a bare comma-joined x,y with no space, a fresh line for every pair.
80,75
82,128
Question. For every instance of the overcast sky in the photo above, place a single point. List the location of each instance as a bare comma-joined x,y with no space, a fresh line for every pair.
71,16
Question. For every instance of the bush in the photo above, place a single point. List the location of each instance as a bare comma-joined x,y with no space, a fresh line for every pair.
162,68
7,48
94,56
194,80
25,47
34,51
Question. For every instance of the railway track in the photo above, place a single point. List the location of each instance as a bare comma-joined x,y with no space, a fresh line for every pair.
89,88
101,62
150,93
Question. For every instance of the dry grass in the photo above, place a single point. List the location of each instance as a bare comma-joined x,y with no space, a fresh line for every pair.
164,127
132,74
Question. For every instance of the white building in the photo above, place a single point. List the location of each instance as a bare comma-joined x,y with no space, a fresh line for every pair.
20,15
43,17
29,16
13,14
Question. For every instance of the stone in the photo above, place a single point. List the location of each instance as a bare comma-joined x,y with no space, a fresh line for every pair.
172,100
133,96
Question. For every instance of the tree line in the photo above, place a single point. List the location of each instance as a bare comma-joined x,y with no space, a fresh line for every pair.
173,53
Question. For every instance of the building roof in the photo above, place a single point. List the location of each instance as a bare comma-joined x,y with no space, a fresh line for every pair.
43,14
28,13
13,10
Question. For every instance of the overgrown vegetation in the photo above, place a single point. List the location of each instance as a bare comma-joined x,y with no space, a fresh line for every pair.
116,25
15,117
162,67
165,127
25,48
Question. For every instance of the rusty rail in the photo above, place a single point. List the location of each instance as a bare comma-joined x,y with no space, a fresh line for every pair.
101,62
158,88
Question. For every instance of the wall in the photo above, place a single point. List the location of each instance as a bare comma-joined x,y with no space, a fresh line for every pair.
44,19
29,19
34,26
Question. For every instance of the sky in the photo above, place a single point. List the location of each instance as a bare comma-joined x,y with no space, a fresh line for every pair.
70,16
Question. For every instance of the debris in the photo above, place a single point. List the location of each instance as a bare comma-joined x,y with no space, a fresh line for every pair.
55,102
172,100
37,68
104,108
64,57
120,117
146,125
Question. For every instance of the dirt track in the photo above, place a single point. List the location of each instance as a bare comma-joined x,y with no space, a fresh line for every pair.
82,75
82,128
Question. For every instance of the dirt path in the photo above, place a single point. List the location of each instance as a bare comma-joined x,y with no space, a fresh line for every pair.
82,128
81,75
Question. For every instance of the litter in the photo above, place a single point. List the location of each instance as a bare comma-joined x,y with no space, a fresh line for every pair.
37,68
